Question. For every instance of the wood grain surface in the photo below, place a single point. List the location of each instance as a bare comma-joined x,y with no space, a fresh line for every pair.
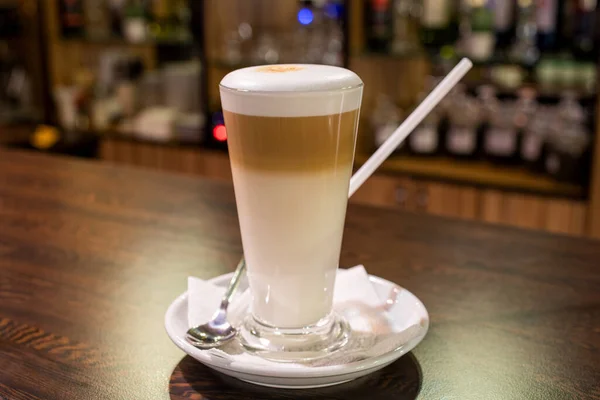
91,256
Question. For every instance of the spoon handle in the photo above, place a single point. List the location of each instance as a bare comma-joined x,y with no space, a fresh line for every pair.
234,283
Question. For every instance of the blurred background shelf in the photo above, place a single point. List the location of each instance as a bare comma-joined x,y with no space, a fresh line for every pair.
119,41
156,64
477,173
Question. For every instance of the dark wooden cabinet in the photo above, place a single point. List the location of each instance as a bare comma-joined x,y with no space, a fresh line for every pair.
383,190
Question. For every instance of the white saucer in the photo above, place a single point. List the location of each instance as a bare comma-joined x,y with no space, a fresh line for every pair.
403,309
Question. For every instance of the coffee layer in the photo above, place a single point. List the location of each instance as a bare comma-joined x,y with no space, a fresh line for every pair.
291,143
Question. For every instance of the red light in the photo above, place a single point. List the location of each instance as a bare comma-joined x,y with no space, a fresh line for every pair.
220,133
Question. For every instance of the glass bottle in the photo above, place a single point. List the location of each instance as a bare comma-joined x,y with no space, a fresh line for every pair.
504,21
482,39
533,140
384,120
71,18
406,27
464,26
524,50
585,41
546,16
436,23
489,106
135,23
569,108
97,19
160,28
501,138
526,109
464,119
425,139
116,10
378,24
567,157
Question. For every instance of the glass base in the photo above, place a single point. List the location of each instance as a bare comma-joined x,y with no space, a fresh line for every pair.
297,344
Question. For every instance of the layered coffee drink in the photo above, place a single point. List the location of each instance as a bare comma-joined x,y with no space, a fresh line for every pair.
291,133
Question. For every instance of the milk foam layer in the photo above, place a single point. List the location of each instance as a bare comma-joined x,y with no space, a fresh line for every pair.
291,226
291,90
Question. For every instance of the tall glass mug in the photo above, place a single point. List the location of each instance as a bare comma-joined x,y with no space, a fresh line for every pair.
291,133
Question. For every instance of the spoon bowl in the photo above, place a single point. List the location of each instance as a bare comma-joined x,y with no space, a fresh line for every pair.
212,334
218,330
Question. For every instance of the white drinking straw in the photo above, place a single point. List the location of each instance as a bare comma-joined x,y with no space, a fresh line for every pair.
409,124
404,129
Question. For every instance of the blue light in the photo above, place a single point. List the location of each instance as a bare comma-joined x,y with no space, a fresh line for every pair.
305,16
333,10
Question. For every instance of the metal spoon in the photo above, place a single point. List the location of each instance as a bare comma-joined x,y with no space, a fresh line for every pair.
218,330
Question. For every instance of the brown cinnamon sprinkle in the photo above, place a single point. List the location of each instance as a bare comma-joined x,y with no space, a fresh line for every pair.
279,68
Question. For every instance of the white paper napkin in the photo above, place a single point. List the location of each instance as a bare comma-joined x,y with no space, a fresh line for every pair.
373,333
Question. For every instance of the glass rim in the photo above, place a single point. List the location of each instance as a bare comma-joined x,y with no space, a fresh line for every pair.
288,92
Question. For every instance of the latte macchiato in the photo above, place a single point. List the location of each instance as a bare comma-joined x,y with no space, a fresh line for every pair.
291,133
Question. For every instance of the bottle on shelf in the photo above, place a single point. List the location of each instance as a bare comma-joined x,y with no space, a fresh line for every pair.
181,16
546,16
489,106
115,12
378,24
464,26
97,19
464,120
406,27
500,143
134,22
161,27
585,40
524,50
534,138
567,154
504,22
385,119
437,25
527,107
425,140
482,39
566,25
71,18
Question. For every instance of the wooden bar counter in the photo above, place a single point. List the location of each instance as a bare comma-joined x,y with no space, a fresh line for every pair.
91,255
